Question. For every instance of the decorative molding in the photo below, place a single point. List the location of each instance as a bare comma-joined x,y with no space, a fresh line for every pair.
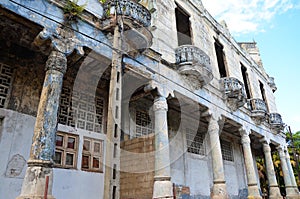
162,89
63,40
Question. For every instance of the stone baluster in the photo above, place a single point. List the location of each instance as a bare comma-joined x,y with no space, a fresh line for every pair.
214,129
274,192
162,177
39,175
291,191
253,190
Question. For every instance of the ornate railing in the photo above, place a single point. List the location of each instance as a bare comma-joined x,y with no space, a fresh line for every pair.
258,105
232,87
272,84
129,9
276,122
275,119
258,109
188,54
234,91
193,62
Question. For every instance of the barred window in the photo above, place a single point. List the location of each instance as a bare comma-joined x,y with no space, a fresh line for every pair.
66,150
143,122
195,142
81,110
92,155
227,152
5,83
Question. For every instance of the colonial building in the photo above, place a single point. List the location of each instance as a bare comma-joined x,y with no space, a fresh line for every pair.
133,99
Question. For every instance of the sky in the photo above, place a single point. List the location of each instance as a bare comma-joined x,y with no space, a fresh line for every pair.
275,26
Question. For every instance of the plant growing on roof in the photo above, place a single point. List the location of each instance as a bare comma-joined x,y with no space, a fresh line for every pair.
73,11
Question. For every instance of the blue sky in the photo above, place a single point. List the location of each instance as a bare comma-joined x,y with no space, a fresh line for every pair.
275,26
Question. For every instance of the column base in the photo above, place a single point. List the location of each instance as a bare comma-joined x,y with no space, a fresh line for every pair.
163,188
219,191
253,192
275,192
292,193
37,183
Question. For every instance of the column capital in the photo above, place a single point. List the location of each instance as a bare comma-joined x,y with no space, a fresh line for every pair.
266,147
57,61
63,39
280,150
213,115
245,139
159,88
160,103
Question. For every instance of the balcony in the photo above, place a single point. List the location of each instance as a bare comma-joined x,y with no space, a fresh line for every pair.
194,64
276,123
258,110
272,84
136,19
234,92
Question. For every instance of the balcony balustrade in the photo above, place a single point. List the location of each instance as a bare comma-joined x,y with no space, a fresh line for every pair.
136,19
130,10
276,123
258,110
234,92
194,64
272,84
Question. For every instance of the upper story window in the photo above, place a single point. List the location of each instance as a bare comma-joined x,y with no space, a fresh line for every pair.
183,27
263,94
66,150
144,125
246,81
221,59
195,142
81,110
227,152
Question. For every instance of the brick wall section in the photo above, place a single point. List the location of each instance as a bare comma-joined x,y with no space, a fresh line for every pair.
137,168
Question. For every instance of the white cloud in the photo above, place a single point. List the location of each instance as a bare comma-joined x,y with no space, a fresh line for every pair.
244,16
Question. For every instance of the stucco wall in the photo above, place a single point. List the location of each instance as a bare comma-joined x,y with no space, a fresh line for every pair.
15,142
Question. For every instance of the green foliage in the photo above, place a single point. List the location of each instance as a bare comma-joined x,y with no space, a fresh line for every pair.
72,10
102,1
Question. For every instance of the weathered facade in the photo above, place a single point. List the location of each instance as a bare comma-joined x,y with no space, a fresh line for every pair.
132,99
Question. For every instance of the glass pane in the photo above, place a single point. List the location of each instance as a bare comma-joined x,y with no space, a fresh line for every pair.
97,147
85,162
69,159
57,157
59,140
71,143
96,162
86,145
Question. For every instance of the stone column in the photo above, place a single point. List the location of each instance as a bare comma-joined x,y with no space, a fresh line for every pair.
39,174
253,190
274,192
291,171
291,191
219,186
162,187
38,179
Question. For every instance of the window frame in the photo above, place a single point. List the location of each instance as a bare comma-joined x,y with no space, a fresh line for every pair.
64,150
220,54
190,146
224,154
183,12
92,154
149,130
